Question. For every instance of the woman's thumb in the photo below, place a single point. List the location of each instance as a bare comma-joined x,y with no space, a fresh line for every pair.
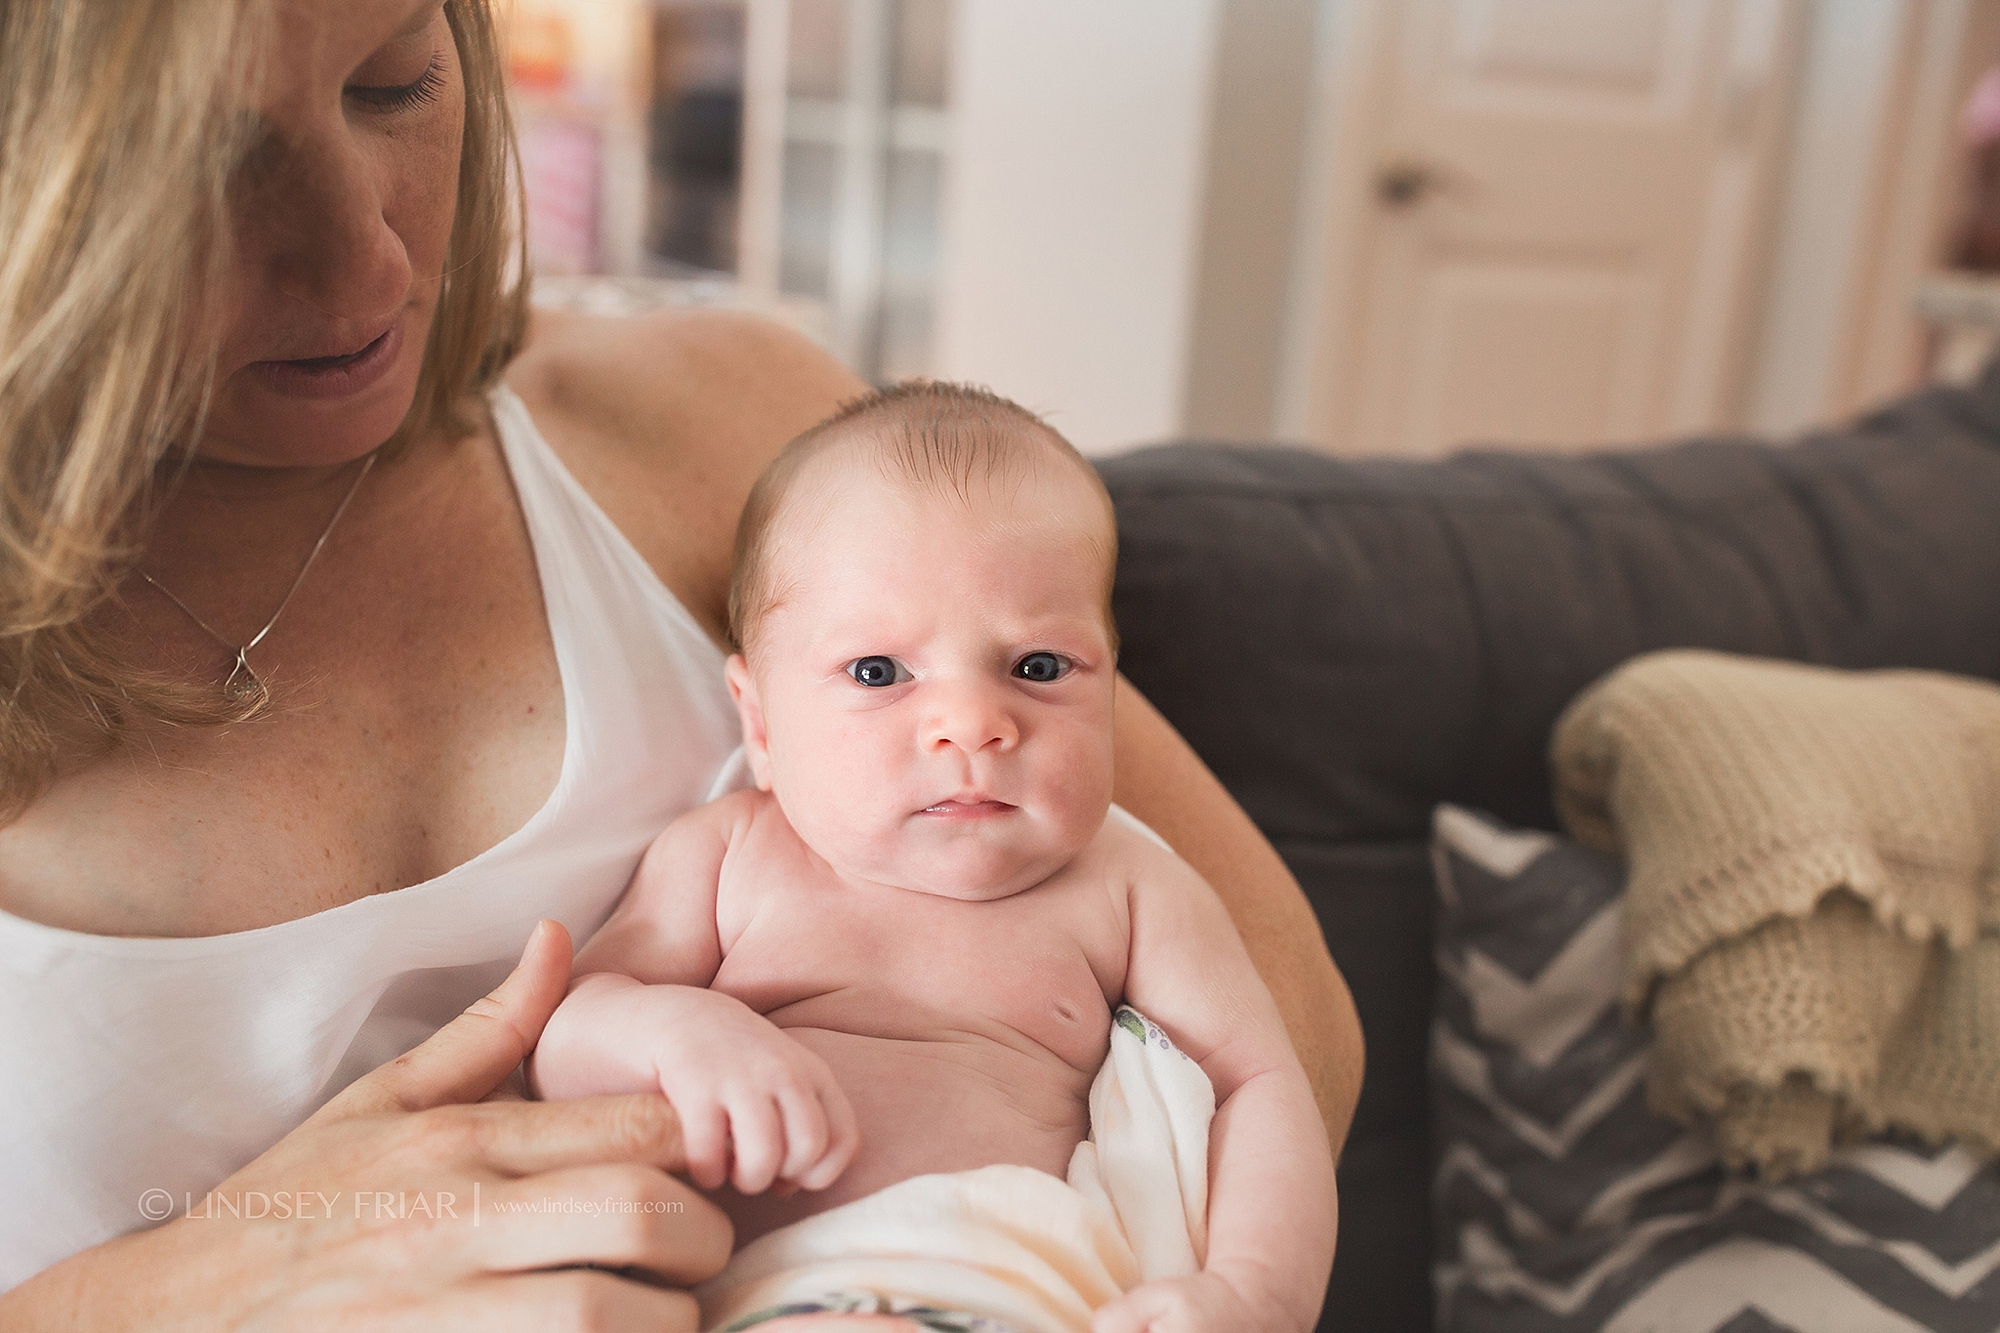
469,1056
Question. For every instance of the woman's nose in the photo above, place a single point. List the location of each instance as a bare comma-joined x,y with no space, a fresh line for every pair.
326,238
972,717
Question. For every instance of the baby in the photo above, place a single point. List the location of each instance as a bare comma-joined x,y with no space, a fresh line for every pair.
899,954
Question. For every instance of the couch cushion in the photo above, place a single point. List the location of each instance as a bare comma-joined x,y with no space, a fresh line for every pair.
1348,643
1564,1203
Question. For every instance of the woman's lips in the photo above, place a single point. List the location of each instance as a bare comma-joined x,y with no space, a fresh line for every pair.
967,809
334,376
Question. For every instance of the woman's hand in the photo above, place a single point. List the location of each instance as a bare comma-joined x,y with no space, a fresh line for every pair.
413,1203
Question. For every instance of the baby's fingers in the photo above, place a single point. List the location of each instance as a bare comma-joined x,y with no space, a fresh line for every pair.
757,1141
843,1139
805,1132
1127,1314
705,1132
1154,1307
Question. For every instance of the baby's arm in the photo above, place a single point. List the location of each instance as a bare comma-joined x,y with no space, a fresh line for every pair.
755,1106
1271,1203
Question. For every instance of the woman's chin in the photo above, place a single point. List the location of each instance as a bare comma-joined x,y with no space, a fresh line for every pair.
256,424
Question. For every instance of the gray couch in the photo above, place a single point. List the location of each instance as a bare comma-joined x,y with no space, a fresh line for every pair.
1349,643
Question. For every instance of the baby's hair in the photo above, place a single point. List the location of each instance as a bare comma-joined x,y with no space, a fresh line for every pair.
935,436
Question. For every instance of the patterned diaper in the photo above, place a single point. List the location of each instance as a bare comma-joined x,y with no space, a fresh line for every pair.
868,1302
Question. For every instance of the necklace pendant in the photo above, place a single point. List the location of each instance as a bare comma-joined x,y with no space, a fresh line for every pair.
243,687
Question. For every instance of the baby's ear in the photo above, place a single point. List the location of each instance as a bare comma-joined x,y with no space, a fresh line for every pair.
756,745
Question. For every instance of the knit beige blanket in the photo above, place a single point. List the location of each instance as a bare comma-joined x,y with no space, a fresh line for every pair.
1812,922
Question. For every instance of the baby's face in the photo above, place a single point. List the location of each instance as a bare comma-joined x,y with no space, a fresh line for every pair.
931,696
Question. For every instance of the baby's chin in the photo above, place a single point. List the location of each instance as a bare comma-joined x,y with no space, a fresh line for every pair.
966,871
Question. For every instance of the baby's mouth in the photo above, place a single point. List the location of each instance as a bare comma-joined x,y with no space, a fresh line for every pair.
967,809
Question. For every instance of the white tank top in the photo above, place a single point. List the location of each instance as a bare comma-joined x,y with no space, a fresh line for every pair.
137,1072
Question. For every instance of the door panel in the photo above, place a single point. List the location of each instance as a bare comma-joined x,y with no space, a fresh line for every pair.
1562,235
1514,348
1629,55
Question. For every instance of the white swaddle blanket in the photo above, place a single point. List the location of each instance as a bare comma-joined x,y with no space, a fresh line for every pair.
1010,1243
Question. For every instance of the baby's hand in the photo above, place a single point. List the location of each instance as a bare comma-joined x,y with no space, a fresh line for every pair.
1203,1303
756,1107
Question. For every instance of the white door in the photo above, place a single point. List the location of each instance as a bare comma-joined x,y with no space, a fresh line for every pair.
1553,220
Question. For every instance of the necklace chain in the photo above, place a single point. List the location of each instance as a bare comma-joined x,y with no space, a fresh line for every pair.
243,685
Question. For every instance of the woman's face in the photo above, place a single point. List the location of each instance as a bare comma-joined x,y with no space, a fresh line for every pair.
341,219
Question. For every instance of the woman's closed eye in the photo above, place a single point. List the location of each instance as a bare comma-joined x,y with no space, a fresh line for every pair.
420,92
878,672
1043,667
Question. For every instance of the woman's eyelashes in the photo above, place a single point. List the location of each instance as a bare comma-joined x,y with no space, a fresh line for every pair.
421,92
878,672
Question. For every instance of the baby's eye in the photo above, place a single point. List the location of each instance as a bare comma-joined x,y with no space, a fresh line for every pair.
878,672
1041,668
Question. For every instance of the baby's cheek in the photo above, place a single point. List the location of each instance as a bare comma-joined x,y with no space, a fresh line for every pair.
830,753
1077,779
848,784
865,764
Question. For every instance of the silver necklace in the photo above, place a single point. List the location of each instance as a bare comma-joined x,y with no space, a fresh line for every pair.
244,687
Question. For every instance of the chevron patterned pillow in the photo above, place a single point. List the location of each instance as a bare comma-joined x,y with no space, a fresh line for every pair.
1563,1203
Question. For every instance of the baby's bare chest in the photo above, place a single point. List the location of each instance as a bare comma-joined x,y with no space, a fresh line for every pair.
1037,972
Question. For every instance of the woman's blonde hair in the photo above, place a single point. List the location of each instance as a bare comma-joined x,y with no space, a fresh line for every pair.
120,131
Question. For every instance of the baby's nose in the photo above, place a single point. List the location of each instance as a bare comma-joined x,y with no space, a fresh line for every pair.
972,718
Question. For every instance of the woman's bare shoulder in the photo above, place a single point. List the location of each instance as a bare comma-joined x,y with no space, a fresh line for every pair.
666,419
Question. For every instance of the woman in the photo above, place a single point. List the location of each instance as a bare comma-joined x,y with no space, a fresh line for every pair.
306,730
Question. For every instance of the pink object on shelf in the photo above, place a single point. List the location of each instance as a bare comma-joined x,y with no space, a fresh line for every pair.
1980,121
561,165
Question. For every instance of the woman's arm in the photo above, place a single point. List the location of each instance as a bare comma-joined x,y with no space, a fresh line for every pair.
1165,784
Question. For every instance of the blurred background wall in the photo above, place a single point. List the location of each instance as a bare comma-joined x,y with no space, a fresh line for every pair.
1374,225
